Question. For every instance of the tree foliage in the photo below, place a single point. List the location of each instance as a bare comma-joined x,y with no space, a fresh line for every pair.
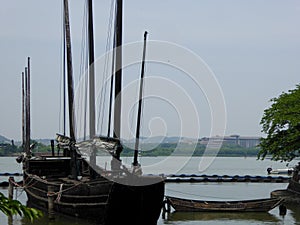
8,149
14,207
166,149
281,123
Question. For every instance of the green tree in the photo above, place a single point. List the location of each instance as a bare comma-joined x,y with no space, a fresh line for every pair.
281,123
14,207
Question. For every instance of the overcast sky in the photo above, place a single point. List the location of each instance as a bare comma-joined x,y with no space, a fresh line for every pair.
251,46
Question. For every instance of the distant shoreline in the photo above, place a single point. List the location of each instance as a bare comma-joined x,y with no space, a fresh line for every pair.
152,150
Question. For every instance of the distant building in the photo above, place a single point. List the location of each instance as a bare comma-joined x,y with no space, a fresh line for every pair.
243,141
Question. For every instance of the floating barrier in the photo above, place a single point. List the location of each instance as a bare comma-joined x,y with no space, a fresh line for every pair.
11,174
6,183
193,178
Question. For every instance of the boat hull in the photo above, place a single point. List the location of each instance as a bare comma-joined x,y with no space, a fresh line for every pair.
107,201
187,205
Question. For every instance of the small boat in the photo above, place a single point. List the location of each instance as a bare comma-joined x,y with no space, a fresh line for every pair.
287,171
256,205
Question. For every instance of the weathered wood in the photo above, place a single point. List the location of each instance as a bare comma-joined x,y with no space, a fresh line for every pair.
11,181
50,194
92,120
23,110
27,114
52,147
91,69
257,205
138,122
72,150
70,70
28,131
95,199
118,69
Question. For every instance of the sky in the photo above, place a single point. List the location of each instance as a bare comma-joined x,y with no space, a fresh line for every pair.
250,48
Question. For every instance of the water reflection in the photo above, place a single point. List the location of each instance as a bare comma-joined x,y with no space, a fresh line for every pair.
295,211
59,220
215,216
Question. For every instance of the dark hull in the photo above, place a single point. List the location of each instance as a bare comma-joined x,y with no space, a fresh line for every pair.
258,205
99,199
294,186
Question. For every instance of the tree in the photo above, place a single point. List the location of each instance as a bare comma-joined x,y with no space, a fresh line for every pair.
13,207
281,123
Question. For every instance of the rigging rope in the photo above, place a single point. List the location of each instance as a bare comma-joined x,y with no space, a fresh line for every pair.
86,66
83,89
105,73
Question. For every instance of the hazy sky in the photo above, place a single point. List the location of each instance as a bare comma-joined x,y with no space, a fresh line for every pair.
251,46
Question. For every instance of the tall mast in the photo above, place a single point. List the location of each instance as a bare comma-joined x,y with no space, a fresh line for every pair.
73,153
138,123
28,108
70,71
91,68
23,111
64,78
26,111
118,70
91,77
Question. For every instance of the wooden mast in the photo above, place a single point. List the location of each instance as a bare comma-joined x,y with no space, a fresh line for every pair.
138,123
70,71
64,78
91,78
28,108
91,69
118,70
27,112
73,153
23,110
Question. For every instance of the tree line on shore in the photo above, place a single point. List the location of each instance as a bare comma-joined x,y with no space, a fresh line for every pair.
152,149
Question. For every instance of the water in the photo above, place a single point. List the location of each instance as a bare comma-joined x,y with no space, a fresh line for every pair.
208,191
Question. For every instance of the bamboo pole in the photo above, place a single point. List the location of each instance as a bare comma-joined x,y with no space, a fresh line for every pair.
51,213
11,188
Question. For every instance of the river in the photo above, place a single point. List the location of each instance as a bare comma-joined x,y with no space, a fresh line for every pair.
208,191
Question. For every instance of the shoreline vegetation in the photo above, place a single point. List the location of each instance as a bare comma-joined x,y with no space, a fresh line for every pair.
174,149
151,150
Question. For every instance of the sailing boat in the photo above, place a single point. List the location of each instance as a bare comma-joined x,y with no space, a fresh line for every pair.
72,185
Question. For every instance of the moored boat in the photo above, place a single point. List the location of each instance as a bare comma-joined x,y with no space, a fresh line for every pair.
189,205
67,182
287,171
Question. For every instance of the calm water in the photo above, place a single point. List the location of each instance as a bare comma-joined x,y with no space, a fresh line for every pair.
208,191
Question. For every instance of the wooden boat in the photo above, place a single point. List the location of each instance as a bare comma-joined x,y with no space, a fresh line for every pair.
257,205
294,183
70,184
